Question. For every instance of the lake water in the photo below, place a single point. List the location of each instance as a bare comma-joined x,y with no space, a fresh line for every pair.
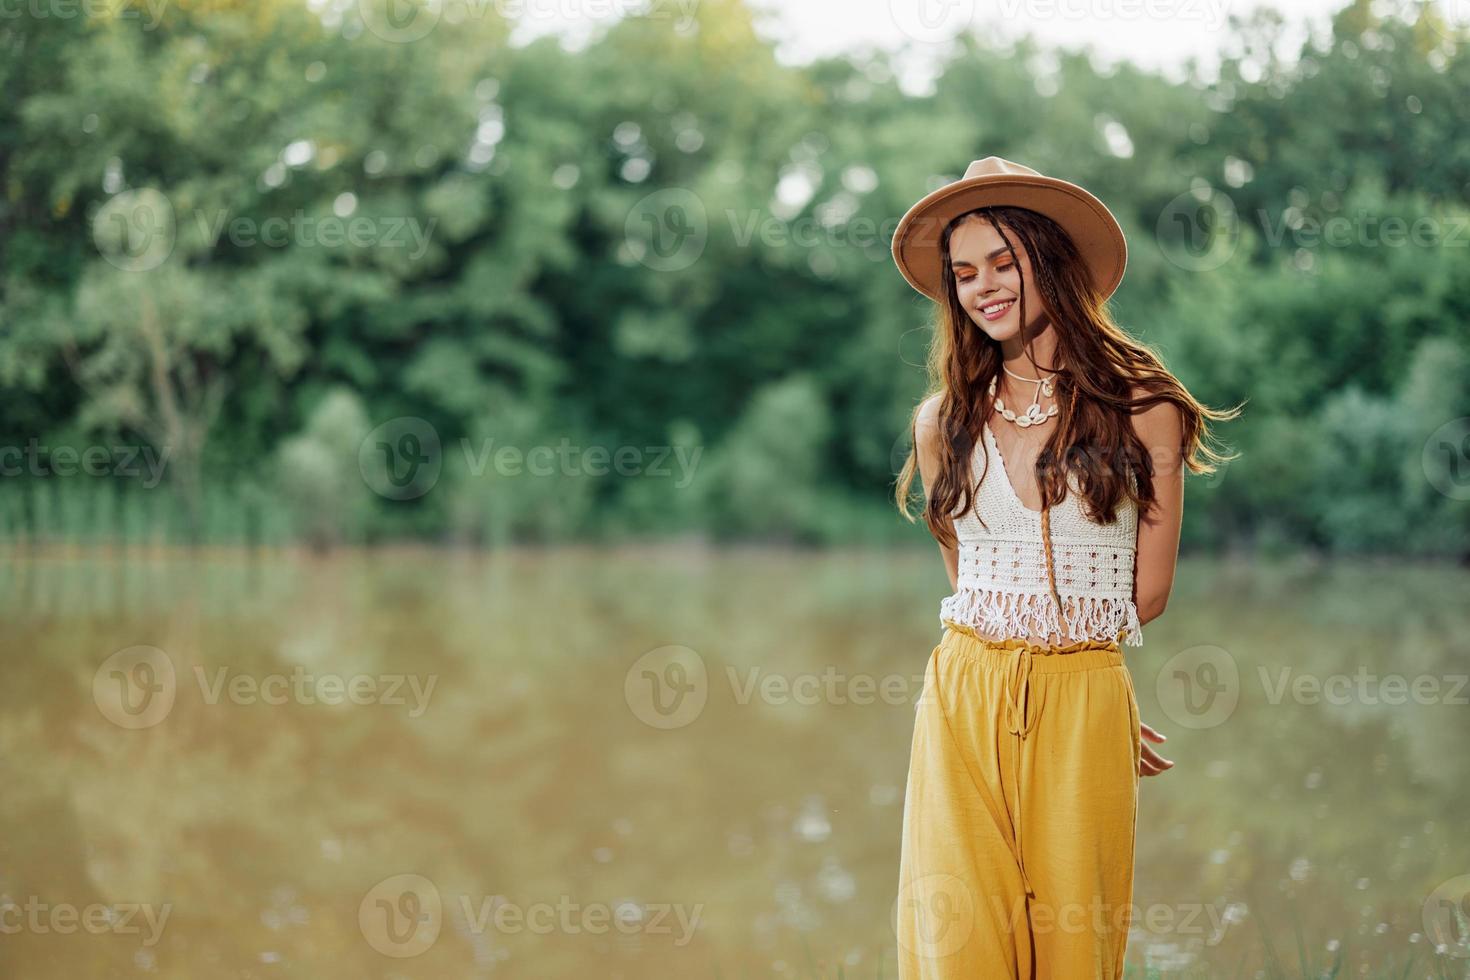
673,762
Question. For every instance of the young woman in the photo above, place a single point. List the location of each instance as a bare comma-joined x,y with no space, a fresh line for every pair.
1052,450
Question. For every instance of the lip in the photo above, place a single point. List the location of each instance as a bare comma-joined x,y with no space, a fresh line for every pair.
997,316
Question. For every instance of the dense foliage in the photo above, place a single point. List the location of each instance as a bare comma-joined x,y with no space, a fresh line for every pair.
280,251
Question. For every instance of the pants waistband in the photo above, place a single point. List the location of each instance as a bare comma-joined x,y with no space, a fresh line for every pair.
1044,659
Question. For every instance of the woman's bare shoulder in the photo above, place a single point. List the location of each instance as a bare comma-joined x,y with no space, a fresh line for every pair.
926,424
1160,427
926,439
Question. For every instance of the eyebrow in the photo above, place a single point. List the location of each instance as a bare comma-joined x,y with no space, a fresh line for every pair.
971,265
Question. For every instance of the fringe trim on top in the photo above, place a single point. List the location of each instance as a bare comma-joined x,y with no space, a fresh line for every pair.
1002,613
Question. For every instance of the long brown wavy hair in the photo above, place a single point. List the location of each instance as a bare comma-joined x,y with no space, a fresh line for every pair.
1099,367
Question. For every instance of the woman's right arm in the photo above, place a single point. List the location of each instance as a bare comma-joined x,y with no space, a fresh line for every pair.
926,448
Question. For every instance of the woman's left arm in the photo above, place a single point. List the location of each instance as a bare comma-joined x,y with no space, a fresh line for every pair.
1160,427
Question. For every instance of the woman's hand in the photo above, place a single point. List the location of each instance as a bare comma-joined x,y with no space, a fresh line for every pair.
1150,763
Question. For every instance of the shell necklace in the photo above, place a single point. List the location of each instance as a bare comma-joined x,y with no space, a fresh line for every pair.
1033,415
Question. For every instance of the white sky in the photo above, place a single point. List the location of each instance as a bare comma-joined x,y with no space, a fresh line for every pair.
1157,34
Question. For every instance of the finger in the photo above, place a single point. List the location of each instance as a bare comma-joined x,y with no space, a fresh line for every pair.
1152,767
1152,754
1154,760
1150,732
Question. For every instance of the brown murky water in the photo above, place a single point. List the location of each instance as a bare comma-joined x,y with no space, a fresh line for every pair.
672,762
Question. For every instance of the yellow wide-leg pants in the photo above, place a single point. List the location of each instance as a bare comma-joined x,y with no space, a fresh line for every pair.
1020,813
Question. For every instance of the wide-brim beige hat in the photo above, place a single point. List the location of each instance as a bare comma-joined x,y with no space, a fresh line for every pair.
994,181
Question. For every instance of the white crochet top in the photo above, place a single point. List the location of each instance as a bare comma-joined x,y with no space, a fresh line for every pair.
1002,586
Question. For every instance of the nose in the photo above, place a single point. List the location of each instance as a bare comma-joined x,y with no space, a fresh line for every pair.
988,287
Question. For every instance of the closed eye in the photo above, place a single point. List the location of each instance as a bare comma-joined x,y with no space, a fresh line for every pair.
1000,268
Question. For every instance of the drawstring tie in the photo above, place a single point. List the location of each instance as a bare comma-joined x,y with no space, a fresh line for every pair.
1020,716
1020,720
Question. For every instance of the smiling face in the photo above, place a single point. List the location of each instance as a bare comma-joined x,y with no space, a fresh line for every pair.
985,276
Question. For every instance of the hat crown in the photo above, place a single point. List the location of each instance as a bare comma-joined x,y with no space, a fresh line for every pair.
997,166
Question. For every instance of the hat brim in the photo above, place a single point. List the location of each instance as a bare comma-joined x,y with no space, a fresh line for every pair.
1091,226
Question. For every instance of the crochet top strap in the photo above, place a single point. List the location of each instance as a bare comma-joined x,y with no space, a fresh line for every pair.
1043,573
